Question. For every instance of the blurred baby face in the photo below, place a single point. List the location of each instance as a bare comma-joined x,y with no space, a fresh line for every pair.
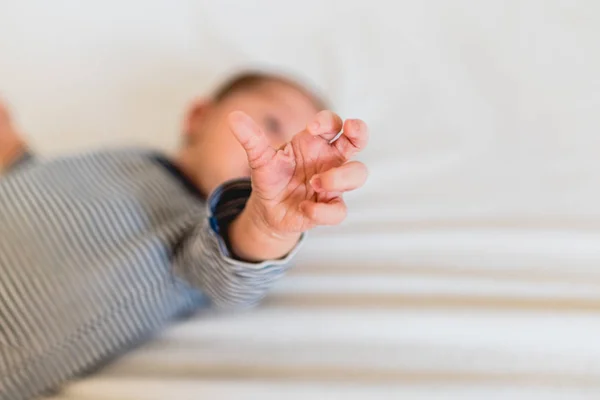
281,110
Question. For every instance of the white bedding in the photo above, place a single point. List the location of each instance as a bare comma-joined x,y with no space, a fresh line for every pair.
469,265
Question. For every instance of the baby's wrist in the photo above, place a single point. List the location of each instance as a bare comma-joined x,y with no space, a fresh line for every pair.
253,239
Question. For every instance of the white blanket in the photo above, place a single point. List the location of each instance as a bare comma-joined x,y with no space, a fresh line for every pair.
468,267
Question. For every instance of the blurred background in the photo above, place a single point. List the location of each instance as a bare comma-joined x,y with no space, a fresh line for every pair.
469,265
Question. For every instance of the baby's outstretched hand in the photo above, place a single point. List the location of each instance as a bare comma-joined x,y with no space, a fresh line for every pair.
300,185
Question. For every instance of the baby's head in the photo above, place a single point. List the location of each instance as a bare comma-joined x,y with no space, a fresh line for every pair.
211,155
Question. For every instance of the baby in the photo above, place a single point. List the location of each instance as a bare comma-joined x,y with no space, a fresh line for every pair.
99,250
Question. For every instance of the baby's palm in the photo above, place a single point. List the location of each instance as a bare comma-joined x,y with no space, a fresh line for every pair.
300,185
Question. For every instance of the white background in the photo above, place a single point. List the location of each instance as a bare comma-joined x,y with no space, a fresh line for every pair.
479,109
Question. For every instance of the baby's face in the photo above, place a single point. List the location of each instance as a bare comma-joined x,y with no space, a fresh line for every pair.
213,152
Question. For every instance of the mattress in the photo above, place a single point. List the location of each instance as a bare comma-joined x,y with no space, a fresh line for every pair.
370,329
468,266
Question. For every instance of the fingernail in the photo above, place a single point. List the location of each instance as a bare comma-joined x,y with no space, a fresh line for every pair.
315,126
315,182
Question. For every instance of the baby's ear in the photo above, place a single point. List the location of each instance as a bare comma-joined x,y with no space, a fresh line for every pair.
194,113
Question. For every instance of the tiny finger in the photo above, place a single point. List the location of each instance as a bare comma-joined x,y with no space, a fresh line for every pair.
354,139
330,213
349,176
252,139
326,124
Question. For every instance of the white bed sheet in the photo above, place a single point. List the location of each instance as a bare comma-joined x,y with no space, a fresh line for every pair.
468,267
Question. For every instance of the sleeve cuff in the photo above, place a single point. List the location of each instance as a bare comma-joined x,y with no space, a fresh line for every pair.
225,204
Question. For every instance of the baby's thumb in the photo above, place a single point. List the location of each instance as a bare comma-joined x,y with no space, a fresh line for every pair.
252,139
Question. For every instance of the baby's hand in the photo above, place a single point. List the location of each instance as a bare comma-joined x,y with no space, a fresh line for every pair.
11,142
300,185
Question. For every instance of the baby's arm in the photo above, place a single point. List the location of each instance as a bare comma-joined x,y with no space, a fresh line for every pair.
13,150
206,261
292,190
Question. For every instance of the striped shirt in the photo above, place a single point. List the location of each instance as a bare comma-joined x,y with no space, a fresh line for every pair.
97,251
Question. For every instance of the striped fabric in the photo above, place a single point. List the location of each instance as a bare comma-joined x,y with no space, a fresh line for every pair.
100,250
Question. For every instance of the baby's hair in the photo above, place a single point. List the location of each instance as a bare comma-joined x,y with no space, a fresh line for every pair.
252,79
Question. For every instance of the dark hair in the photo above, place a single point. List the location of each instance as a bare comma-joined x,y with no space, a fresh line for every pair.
253,79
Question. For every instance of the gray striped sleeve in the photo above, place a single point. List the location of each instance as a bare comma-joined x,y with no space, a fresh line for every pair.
204,259
89,249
